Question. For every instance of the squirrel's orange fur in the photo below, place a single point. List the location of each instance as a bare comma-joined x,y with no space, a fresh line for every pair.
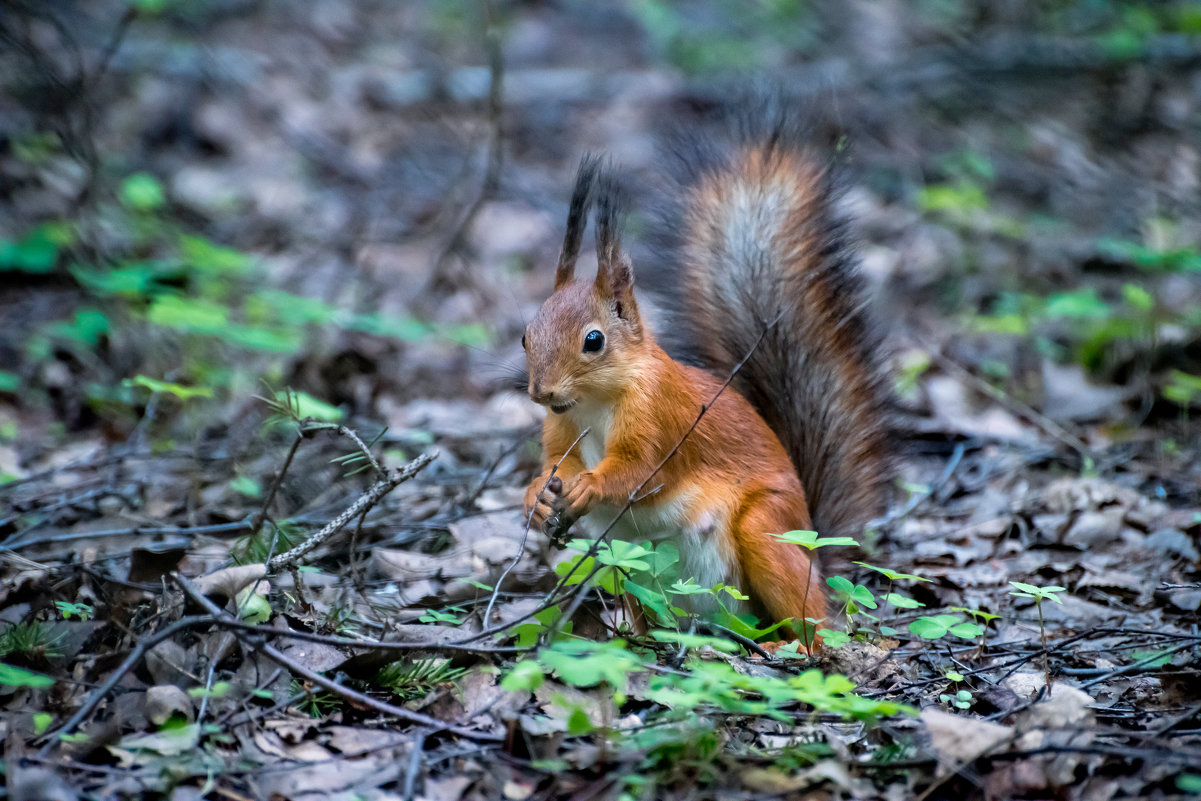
756,253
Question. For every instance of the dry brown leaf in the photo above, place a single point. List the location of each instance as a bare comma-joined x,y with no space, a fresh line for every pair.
166,700
559,701
506,523
171,663
303,751
316,656
352,741
446,788
409,566
1068,707
1094,529
772,782
960,739
1025,683
228,582
957,408
1084,494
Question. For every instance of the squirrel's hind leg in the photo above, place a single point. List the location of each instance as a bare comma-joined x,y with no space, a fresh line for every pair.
780,578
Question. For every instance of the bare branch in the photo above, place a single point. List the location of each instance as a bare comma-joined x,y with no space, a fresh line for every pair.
365,501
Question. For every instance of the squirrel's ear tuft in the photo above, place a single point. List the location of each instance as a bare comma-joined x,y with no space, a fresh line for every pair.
577,218
614,275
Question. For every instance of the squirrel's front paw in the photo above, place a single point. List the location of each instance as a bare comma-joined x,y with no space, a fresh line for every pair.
542,496
580,495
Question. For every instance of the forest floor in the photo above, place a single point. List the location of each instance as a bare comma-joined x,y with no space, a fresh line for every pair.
211,204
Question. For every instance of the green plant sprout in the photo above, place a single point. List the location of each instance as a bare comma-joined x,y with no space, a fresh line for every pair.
983,618
69,610
851,597
933,627
452,617
312,703
410,681
274,538
32,640
1039,594
357,459
1185,388
13,676
892,598
811,540
41,723
178,390
962,699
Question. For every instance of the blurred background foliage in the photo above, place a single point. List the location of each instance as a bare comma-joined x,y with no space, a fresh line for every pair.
196,197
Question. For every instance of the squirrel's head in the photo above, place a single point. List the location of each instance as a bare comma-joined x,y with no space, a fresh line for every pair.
582,342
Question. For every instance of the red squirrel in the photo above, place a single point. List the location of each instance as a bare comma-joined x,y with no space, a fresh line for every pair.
798,440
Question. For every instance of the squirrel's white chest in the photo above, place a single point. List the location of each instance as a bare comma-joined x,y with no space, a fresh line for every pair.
597,420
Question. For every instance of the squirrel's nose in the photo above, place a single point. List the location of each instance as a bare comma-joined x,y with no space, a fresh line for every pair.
538,396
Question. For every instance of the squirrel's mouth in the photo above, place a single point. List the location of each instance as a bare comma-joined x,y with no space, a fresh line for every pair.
559,408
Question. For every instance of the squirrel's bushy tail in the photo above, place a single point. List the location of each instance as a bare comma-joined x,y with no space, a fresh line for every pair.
755,246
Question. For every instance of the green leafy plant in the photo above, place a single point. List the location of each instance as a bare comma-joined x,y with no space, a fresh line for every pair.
1083,325
618,557
412,680
933,627
1040,594
69,610
1153,659
453,617
677,732
338,619
314,703
983,618
32,640
178,390
1184,389
199,312
274,538
852,598
1189,783
220,689
13,676
811,540
960,699
528,633
703,686
892,598
649,573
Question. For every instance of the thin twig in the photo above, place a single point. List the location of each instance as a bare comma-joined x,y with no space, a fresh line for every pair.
256,522
529,519
354,437
295,667
110,49
410,783
145,644
365,501
1135,667
366,646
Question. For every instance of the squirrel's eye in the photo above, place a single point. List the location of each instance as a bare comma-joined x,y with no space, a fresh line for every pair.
523,341
594,342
